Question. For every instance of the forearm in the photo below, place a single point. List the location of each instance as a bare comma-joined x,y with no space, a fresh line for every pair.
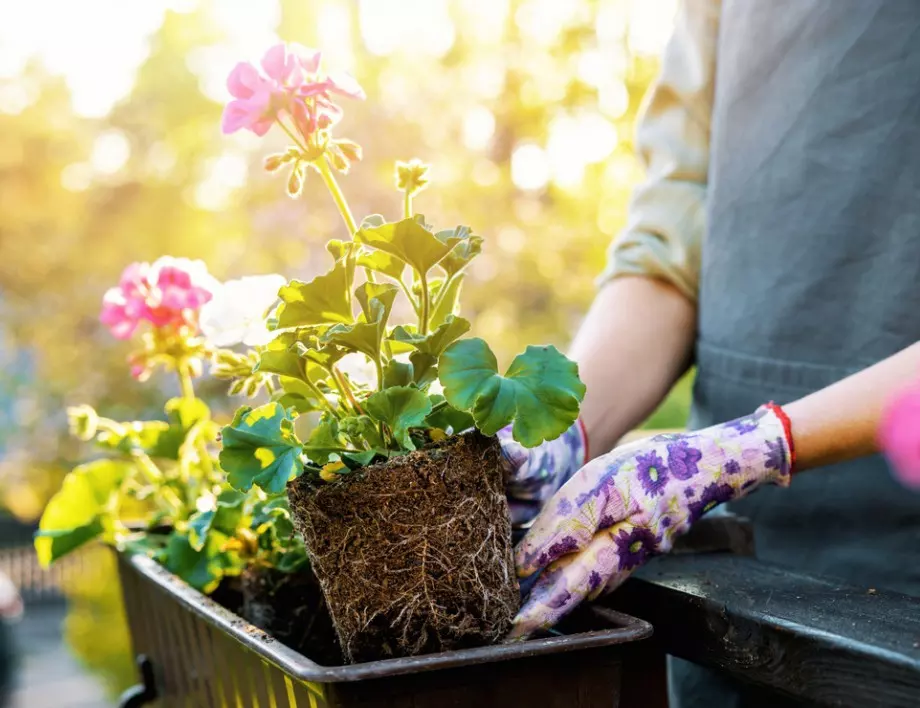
634,344
840,422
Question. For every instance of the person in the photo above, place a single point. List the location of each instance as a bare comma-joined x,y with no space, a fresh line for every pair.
775,245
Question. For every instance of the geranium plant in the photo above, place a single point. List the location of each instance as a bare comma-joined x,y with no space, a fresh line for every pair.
404,519
429,382
158,488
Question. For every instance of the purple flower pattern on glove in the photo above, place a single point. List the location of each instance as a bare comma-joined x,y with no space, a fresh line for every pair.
624,507
652,473
683,459
533,475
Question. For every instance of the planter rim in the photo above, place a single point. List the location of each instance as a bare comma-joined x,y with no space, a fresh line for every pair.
623,629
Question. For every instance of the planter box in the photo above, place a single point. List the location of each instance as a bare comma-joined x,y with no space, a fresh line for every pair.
195,653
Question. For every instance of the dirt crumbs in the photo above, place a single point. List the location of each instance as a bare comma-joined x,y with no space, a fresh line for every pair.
414,555
291,607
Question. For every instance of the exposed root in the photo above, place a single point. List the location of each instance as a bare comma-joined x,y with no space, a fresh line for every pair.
414,555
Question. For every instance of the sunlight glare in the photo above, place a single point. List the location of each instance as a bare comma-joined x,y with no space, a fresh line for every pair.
478,127
529,167
650,25
408,26
111,151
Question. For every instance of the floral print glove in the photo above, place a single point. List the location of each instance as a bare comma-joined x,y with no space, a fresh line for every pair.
630,504
533,475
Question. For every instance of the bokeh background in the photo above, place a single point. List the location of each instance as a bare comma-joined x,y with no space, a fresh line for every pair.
110,152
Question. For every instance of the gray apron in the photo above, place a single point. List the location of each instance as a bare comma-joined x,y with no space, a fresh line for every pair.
811,267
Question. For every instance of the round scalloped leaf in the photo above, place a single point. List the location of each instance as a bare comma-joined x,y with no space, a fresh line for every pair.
540,393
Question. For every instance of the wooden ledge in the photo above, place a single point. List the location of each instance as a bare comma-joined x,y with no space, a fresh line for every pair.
811,638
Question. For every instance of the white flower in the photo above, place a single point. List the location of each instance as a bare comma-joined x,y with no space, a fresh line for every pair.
236,314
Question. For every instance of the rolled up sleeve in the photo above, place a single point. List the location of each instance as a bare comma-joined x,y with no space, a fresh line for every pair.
666,220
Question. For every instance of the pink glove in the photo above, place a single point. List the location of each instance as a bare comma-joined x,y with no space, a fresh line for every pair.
533,475
630,504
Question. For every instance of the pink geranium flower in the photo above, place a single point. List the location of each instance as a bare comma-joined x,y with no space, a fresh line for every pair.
899,435
292,84
167,294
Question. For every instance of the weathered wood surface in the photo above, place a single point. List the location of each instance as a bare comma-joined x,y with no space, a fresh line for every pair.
819,640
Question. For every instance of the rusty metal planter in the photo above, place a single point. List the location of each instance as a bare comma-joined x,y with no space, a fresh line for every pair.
193,652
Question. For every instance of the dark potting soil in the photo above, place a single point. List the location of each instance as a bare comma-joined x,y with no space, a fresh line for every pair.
414,555
291,607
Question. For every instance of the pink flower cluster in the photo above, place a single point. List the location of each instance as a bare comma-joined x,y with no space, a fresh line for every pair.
292,86
167,293
899,435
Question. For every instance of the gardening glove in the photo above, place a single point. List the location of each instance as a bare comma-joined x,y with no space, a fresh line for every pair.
533,475
624,507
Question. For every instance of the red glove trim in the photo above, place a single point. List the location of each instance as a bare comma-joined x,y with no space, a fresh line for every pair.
584,437
787,428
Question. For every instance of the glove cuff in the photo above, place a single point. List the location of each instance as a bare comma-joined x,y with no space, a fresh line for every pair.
787,429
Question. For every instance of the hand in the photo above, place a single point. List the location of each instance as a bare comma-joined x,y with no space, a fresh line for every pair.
630,504
533,475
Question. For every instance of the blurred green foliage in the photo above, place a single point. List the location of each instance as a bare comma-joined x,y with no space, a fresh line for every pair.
526,118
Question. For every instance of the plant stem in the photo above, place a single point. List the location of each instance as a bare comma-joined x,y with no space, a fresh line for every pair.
342,384
379,366
439,406
408,293
292,136
322,165
407,205
185,379
322,397
442,293
426,304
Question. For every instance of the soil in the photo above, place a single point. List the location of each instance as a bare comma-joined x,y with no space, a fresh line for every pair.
414,555
291,607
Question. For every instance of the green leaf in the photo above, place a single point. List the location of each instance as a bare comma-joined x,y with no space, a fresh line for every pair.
409,241
401,408
424,368
357,460
260,448
397,373
324,440
366,336
203,568
383,293
438,340
447,417
447,305
540,393
293,560
466,249
80,511
382,262
269,512
372,221
324,300
224,519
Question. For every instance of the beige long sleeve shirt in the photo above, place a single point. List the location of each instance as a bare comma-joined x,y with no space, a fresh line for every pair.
666,223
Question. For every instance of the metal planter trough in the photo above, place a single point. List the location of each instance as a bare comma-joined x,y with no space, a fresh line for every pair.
193,652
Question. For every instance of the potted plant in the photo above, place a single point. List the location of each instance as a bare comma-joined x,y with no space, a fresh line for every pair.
404,517
383,490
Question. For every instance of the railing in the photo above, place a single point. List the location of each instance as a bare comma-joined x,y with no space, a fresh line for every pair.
38,584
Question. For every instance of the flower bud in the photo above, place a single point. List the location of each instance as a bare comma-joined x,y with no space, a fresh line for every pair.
273,163
412,176
295,181
83,422
350,149
337,159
